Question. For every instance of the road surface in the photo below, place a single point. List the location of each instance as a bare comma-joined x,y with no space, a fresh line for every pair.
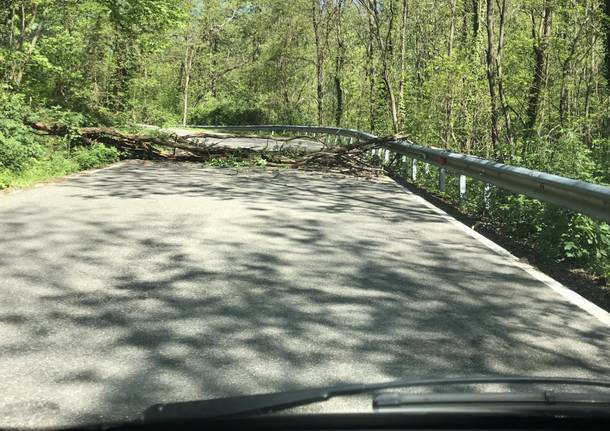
258,144
149,282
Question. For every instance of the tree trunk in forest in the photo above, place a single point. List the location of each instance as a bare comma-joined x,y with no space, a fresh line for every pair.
121,73
387,49
18,67
607,55
540,37
403,52
339,61
392,98
475,19
500,76
449,104
588,94
564,94
315,16
491,79
188,69
384,44
371,72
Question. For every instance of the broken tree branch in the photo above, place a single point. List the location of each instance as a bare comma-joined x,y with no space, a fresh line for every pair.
350,156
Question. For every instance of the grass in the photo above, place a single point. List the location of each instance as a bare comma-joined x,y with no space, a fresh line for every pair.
58,164
38,171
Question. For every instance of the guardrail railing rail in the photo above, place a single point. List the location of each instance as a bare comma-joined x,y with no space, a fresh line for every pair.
580,196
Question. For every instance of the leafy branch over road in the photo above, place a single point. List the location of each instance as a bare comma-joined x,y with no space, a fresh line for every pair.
353,158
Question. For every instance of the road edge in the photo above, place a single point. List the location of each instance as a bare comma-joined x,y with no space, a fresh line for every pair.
565,292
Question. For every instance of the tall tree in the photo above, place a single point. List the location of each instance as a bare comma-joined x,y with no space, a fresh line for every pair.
607,40
541,31
492,78
382,19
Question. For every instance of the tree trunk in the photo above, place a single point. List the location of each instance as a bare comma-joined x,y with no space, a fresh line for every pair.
475,19
540,39
371,72
18,68
403,51
607,55
392,99
188,63
591,79
449,103
500,76
491,79
315,16
339,60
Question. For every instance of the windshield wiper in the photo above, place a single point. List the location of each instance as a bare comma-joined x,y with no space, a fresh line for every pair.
267,403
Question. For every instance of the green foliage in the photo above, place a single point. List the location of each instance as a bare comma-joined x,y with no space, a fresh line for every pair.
563,154
17,143
159,117
587,242
54,160
233,161
39,170
96,156
17,146
227,112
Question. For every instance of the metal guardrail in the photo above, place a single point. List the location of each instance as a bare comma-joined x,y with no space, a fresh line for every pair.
580,196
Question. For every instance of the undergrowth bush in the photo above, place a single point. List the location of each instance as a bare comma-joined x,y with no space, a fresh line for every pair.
227,113
17,143
17,147
95,156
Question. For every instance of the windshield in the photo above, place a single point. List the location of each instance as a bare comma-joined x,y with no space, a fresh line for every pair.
203,199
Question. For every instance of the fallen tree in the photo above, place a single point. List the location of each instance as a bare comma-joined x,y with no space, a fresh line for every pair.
346,158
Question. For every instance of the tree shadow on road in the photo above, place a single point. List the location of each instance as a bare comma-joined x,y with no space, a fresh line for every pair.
160,282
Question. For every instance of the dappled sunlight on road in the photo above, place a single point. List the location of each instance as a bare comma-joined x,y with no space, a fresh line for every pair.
155,282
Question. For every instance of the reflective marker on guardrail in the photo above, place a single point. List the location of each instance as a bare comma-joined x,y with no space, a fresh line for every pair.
414,170
462,186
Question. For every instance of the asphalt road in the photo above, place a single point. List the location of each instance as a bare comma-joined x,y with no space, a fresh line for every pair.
151,282
306,145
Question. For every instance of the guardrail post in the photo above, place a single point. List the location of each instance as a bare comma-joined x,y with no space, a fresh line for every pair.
462,186
442,174
414,170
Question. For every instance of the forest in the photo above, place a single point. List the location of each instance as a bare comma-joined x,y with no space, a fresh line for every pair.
523,82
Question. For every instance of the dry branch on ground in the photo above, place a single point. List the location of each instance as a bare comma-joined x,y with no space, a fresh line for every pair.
343,158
